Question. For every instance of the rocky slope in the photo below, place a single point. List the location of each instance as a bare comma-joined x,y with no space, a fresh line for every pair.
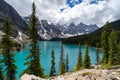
7,10
19,40
86,74
19,24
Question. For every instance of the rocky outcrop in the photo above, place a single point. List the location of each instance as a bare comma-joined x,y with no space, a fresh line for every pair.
86,74
30,77
19,41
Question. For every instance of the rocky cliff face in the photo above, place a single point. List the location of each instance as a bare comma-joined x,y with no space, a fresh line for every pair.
19,24
8,11
47,31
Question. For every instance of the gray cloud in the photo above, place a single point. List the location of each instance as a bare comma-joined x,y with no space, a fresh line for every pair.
87,13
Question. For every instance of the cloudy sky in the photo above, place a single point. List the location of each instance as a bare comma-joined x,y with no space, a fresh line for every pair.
66,11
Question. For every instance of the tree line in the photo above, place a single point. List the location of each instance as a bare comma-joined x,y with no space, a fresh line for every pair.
109,43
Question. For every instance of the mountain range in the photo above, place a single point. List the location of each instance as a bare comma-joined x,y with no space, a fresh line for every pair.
47,31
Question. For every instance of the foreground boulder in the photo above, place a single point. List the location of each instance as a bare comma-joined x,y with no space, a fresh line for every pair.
30,77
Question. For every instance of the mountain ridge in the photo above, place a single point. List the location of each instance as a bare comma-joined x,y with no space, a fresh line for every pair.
49,31
93,37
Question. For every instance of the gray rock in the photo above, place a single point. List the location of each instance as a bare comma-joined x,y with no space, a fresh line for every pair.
7,10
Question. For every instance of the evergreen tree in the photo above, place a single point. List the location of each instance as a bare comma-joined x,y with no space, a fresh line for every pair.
34,66
62,61
7,46
1,75
97,55
79,60
104,42
53,71
67,62
1,72
86,62
113,52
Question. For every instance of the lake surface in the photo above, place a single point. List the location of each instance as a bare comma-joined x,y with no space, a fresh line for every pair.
46,48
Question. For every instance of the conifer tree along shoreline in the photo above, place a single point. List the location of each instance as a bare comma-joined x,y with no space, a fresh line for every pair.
113,52
79,59
52,71
1,71
62,69
104,42
86,61
7,46
97,54
67,63
34,65
110,46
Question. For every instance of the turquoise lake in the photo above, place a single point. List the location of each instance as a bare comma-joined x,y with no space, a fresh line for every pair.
46,48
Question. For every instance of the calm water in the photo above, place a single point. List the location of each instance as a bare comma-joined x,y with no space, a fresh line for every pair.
46,48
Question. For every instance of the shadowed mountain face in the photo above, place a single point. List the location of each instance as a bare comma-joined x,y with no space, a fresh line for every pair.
93,37
8,11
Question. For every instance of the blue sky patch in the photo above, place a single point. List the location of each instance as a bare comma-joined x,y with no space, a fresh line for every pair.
72,3
94,2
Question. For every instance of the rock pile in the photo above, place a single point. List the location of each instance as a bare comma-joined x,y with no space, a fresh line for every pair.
86,74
